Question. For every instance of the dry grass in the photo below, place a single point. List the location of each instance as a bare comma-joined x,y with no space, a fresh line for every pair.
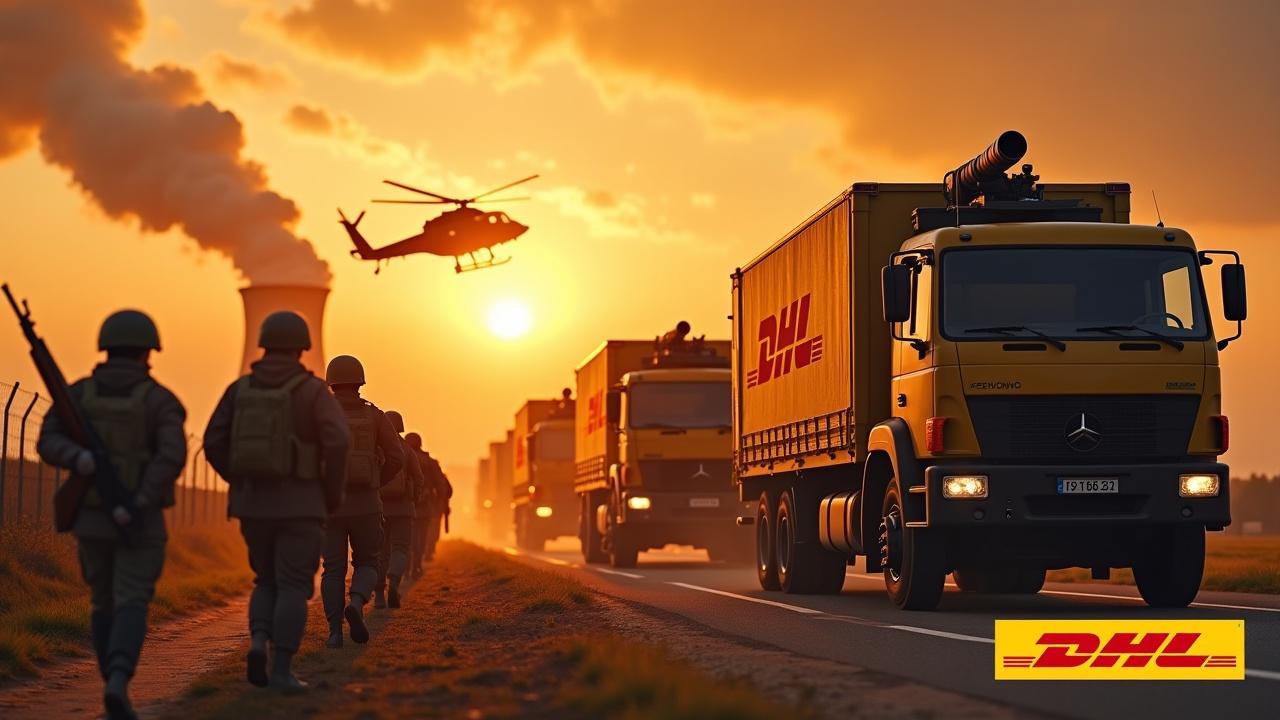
44,605
484,636
1233,563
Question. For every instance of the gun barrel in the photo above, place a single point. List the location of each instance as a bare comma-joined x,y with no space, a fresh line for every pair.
963,183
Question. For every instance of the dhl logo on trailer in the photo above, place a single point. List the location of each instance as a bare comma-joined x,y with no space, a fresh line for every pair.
785,343
1119,650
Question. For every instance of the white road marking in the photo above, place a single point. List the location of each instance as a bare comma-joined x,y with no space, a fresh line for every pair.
607,571
510,551
942,634
748,598
1262,674
555,561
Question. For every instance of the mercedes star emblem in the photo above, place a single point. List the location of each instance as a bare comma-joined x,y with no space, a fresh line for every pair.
1083,434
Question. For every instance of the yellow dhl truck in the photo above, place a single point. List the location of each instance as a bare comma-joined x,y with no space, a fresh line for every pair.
543,502
484,498
497,484
652,447
1015,381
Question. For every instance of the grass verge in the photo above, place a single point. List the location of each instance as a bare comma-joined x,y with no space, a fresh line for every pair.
44,605
1232,563
484,636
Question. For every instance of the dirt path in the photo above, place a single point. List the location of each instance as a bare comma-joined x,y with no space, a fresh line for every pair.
175,654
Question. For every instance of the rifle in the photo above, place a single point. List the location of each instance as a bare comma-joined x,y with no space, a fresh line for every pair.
106,479
447,512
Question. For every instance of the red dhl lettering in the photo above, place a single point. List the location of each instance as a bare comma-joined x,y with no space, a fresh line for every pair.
597,418
784,343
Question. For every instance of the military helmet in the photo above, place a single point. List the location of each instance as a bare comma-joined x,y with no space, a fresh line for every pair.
344,370
414,440
128,329
284,330
397,421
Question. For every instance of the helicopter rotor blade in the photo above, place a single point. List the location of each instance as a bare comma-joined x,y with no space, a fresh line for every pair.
504,187
410,188
414,202
510,199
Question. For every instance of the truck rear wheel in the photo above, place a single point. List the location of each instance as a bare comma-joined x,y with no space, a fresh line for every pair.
1018,581
912,558
588,533
803,568
623,552
1168,574
766,543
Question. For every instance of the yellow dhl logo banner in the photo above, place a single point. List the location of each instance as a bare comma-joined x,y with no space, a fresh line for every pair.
1119,649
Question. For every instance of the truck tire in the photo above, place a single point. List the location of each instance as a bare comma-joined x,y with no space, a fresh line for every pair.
1016,581
913,558
622,549
1168,574
766,543
803,568
588,533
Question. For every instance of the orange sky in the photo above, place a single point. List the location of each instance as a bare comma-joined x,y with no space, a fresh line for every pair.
675,140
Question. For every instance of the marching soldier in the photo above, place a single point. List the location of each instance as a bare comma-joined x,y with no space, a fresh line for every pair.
432,511
423,508
122,551
280,440
398,500
376,459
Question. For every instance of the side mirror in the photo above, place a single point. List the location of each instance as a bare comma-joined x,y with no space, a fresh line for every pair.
531,444
895,285
1234,304
613,406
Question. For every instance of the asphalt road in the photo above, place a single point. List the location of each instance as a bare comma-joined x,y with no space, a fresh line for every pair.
951,648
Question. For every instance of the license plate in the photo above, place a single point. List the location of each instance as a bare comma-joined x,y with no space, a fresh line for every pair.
1088,486
704,502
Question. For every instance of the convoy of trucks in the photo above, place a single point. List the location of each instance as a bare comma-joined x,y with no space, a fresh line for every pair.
1019,380
1011,381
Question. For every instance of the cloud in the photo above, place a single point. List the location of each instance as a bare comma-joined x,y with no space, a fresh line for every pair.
229,72
626,216
1180,97
141,143
310,120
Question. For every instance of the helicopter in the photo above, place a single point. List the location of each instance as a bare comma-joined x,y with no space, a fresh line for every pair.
456,233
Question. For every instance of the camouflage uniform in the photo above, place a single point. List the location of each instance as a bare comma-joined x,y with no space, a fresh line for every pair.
398,512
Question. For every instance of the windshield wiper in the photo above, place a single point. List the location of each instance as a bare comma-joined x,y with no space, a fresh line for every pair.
1010,329
1116,330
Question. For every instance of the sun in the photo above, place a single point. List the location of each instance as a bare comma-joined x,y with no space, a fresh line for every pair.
509,319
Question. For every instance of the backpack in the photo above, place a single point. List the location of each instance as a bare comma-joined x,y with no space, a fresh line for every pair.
121,422
364,470
264,441
398,488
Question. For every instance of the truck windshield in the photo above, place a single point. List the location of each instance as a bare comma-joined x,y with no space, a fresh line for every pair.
679,405
1072,293
554,445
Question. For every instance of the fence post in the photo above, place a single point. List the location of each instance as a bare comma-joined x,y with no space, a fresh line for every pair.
195,472
39,489
22,453
4,446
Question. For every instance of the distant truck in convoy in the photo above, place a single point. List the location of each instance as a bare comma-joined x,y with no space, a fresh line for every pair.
1016,381
544,505
496,503
652,448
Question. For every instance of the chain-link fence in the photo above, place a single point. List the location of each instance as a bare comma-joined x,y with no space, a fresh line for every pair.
27,483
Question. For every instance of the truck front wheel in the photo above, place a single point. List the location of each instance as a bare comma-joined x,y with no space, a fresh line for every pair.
588,532
766,543
1169,572
804,568
912,558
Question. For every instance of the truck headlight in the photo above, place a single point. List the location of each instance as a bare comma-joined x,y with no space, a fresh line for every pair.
542,511
1198,485
639,502
964,487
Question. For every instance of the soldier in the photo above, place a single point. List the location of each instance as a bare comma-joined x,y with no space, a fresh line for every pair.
440,491
141,424
376,459
398,500
280,440
423,508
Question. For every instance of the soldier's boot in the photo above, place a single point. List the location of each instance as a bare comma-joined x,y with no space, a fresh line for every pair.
282,677
379,599
393,591
354,612
100,632
335,638
256,660
116,697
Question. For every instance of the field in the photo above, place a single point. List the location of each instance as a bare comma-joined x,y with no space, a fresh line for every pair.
1233,563
44,605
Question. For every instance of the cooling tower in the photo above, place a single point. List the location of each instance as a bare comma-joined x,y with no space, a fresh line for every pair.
262,300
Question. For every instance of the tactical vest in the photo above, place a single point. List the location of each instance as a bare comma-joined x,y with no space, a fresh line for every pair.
264,442
121,423
399,487
364,470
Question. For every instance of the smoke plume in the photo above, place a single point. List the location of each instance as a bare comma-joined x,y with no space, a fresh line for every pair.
142,143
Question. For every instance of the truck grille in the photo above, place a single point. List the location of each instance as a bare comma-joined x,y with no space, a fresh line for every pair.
690,475
1123,427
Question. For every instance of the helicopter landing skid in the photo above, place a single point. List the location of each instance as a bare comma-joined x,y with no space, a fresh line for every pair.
476,264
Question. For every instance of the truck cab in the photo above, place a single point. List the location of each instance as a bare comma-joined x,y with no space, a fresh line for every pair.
545,506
